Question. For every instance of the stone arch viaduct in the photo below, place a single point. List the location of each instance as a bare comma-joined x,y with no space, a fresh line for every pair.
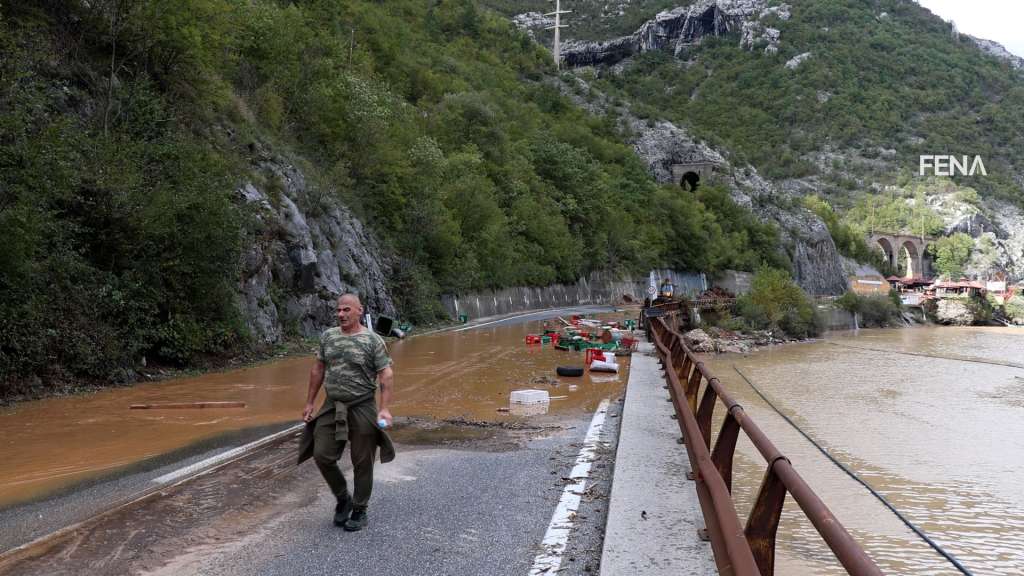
905,249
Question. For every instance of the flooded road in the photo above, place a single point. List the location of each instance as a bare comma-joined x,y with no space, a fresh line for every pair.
50,444
941,439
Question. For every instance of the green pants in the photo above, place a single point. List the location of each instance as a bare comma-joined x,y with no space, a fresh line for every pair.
327,449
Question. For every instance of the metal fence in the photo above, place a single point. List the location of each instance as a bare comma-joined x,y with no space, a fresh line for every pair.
739,550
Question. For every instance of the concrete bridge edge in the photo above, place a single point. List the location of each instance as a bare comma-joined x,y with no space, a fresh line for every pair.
653,513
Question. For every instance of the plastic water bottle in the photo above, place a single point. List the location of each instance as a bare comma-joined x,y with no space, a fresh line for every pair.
382,423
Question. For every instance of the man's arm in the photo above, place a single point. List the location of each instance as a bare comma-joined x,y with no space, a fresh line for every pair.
385,378
316,380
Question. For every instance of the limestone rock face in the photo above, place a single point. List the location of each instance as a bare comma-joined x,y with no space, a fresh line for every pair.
665,144
304,250
999,51
794,62
974,224
997,228
579,53
679,28
954,311
755,35
1010,247
532,21
817,265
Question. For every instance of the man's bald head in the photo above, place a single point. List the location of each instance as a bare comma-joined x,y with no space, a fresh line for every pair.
351,297
350,310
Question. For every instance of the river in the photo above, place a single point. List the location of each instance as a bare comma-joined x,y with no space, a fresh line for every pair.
941,439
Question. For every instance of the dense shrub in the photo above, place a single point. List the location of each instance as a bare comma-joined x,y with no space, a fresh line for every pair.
1015,309
776,303
874,310
981,308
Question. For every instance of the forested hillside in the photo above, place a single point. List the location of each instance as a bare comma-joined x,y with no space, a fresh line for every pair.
127,127
837,101
881,82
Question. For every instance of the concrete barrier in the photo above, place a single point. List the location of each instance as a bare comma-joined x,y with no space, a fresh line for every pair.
597,288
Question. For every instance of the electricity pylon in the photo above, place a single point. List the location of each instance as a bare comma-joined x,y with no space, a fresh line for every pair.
558,25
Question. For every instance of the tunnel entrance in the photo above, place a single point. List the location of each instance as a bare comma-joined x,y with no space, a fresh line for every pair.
690,181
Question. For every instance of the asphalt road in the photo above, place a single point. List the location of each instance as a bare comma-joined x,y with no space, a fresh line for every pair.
476,501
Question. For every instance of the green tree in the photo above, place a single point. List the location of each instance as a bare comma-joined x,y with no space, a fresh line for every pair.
951,254
776,303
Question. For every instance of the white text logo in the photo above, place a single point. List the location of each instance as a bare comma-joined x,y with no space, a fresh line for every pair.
944,165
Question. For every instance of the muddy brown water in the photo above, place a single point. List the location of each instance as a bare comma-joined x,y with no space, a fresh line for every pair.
942,440
465,375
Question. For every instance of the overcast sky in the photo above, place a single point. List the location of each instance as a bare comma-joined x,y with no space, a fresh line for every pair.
999,20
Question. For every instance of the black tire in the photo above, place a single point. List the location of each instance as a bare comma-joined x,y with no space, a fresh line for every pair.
569,371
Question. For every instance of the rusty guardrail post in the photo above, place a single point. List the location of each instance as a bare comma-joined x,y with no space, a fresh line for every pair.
725,447
706,410
693,386
763,522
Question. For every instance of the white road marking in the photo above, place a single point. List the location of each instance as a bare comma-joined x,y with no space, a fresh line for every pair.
557,537
223,456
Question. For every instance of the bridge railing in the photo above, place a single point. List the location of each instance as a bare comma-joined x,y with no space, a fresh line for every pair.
740,550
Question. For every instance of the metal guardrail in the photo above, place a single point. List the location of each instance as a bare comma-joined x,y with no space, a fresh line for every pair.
740,550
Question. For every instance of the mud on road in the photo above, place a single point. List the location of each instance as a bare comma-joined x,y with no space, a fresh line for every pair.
221,521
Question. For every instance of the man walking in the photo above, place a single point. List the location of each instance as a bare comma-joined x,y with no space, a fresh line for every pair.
350,363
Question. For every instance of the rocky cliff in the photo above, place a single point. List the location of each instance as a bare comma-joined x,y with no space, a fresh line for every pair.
305,249
677,29
999,51
817,265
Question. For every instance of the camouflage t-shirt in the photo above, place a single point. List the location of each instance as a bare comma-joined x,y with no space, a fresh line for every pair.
352,362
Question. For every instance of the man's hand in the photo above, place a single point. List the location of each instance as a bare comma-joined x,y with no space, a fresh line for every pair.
307,414
385,414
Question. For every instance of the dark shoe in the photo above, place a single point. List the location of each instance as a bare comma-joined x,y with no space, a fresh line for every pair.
342,510
357,522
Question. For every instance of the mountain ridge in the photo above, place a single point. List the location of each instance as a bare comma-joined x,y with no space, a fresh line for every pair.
781,103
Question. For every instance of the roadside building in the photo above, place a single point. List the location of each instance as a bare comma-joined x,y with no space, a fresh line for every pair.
962,287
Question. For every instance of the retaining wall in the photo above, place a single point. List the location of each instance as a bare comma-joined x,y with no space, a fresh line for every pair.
597,288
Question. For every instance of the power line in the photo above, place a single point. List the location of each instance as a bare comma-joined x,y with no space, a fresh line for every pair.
948,556
922,354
